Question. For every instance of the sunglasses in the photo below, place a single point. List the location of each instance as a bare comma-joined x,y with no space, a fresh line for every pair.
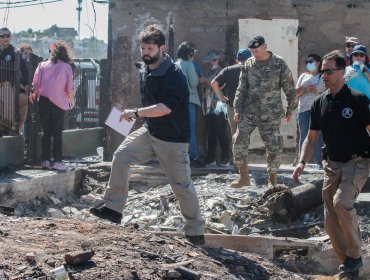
359,54
329,71
309,61
350,45
5,36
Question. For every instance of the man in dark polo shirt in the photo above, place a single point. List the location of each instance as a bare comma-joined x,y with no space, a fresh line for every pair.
228,80
344,120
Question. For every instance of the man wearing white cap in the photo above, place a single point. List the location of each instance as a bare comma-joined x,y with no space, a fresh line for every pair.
350,44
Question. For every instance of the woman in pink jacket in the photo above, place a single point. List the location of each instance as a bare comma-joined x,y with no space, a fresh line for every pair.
53,87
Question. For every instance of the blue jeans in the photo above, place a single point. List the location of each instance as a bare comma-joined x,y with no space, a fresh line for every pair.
304,125
193,146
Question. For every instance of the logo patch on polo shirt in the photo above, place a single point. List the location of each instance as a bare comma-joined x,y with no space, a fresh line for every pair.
347,113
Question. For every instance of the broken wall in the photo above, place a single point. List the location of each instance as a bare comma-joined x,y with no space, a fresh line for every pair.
213,24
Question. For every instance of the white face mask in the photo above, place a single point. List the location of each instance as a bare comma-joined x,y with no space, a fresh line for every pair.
311,67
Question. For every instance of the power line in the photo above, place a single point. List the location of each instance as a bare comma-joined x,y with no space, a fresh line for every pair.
18,2
24,3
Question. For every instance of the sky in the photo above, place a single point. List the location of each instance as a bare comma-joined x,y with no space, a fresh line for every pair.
62,13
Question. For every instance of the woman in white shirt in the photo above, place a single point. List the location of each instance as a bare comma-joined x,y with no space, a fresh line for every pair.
309,86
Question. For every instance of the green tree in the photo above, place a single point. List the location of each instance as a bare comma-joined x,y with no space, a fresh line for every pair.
54,29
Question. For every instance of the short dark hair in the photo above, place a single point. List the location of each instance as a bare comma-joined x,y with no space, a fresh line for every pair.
152,34
338,57
185,50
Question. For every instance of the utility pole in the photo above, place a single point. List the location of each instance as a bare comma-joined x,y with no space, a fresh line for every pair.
79,9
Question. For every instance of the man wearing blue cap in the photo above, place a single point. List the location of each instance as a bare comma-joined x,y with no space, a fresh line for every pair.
258,103
228,80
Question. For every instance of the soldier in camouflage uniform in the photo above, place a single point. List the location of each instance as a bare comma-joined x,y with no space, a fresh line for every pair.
258,103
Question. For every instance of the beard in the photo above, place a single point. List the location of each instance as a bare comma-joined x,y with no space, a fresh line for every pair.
151,59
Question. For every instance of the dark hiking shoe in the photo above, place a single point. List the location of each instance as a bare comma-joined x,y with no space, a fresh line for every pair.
349,275
351,265
197,163
107,214
196,239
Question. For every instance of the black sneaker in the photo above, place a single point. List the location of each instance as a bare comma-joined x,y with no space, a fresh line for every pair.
197,163
107,214
209,161
351,265
224,163
196,239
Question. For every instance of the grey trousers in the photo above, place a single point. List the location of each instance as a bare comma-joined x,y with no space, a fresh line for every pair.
140,147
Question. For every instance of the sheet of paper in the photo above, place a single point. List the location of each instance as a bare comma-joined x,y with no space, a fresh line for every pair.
123,127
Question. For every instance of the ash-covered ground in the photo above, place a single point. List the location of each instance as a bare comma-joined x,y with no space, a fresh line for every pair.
36,239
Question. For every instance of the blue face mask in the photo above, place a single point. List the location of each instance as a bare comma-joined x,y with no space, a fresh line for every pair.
311,67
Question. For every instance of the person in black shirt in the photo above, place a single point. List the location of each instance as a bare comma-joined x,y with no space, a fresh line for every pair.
7,76
344,120
165,136
228,80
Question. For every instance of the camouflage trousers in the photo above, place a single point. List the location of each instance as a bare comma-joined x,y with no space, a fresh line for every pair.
270,133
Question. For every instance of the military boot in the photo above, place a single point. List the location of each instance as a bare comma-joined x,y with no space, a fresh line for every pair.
272,179
243,179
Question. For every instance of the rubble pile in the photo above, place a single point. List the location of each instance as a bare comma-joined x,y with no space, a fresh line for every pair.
35,248
42,232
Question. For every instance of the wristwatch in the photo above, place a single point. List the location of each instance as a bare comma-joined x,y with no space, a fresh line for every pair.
303,162
136,112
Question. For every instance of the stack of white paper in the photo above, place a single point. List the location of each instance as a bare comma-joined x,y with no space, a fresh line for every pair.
123,127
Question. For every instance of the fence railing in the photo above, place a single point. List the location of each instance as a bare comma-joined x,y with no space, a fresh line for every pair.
9,96
87,95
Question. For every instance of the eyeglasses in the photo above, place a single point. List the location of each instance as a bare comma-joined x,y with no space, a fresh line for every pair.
5,36
309,61
350,45
329,71
359,54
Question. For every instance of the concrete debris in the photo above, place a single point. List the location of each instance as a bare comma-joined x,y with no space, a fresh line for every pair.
363,199
55,213
30,257
55,200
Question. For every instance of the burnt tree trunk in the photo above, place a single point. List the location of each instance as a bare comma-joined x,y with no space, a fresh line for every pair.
290,203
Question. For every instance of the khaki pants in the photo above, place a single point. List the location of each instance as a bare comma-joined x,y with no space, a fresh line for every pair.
140,147
342,184
23,109
232,123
